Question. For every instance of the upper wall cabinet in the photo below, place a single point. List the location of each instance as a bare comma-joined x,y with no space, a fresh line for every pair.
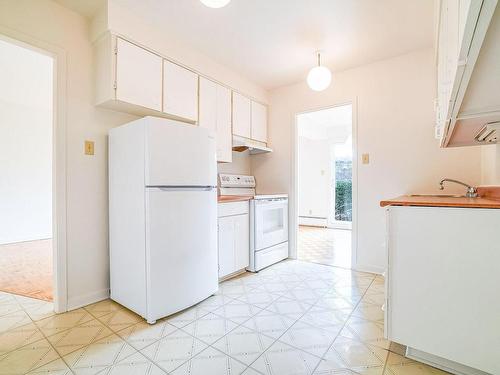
215,114
132,79
259,122
180,91
138,76
463,27
242,115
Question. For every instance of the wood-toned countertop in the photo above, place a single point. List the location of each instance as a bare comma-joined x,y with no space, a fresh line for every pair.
430,201
233,198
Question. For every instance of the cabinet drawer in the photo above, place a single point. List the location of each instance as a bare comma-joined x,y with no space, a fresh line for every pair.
232,208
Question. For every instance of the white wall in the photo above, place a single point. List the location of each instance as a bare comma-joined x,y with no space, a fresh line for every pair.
241,164
86,180
395,117
314,177
25,144
490,166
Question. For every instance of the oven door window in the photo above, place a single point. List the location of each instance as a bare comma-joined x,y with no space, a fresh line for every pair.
271,223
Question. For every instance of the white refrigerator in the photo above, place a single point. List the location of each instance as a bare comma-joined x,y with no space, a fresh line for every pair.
162,216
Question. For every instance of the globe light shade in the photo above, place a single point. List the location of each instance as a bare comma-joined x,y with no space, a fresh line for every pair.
215,3
319,78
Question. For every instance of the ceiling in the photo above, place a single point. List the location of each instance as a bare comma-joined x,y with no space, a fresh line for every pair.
87,8
333,124
273,42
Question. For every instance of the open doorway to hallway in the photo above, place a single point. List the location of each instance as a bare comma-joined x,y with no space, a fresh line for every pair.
325,180
26,144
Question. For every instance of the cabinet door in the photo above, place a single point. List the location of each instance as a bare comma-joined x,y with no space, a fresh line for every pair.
226,237
241,115
208,105
241,241
180,91
224,131
138,75
259,122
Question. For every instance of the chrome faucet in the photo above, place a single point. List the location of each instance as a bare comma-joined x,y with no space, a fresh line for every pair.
471,190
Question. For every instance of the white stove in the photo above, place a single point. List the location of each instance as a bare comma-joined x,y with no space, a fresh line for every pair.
268,220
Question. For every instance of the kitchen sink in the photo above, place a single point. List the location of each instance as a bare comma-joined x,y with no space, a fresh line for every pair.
438,195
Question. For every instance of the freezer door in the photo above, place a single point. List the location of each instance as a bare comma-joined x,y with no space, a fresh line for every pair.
181,248
179,154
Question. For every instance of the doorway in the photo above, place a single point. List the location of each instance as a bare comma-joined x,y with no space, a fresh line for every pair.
324,158
26,167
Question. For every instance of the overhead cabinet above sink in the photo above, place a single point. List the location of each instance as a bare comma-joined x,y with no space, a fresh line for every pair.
468,68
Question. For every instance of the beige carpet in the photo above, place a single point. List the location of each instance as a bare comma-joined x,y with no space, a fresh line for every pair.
325,246
26,269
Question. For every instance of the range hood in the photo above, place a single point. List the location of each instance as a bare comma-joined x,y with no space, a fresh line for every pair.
241,144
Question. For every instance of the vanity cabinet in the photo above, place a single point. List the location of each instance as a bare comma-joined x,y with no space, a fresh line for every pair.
442,286
233,237
215,114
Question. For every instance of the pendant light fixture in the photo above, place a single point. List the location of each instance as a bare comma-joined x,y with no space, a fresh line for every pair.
215,3
319,77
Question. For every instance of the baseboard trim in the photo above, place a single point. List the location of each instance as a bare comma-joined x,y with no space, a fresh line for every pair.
369,269
313,221
87,299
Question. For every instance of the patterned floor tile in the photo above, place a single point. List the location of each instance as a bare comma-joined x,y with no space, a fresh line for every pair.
237,311
18,337
187,316
36,309
399,365
120,319
57,367
214,302
9,305
99,355
136,364
310,339
211,362
291,308
366,331
269,323
369,311
173,350
27,358
283,359
79,336
143,334
210,328
103,308
258,298
244,344
353,355
13,320
61,322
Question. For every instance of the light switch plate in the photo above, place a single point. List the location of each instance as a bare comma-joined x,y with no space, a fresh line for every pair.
89,147
365,158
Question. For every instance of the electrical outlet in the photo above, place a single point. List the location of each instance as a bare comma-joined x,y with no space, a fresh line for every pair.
89,147
365,158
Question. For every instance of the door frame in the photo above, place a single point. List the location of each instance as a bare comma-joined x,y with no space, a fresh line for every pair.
59,202
294,196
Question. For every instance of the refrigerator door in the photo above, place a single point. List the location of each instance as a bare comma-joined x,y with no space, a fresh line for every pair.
179,154
181,248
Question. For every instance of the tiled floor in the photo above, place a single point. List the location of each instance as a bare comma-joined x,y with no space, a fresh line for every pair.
27,269
292,318
325,246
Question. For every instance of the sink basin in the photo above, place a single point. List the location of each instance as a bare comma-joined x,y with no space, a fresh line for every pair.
438,195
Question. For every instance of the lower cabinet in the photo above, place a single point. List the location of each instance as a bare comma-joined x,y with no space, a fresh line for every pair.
442,286
233,237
